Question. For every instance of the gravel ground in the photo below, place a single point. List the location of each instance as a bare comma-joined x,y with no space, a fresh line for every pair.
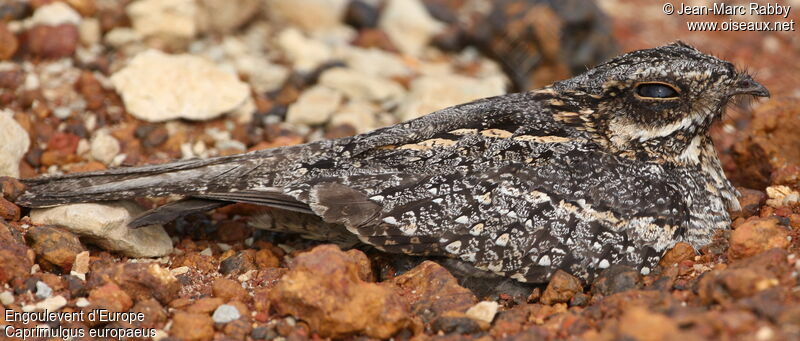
94,84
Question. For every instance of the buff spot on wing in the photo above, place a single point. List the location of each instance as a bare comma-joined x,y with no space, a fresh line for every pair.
453,247
477,229
545,91
408,229
464,132
499,133
567,116
543,139
502,240
429,144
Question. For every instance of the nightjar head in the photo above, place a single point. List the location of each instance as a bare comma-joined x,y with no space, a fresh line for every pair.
661,98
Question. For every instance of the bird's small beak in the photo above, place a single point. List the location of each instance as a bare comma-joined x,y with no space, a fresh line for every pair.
748,86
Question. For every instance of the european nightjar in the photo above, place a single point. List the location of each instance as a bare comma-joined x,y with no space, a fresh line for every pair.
613,166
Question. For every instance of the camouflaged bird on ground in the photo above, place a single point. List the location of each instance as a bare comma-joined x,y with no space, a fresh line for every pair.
613,166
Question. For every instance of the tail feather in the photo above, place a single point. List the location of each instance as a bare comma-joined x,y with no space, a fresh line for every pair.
182,177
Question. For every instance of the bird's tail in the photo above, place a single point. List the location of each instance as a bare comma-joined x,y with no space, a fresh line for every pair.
185,177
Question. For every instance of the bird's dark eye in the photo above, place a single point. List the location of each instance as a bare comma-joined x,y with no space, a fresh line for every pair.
656,90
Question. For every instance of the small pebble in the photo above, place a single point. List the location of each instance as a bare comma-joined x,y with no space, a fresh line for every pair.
81,264
6,298
483,311
52,303
225,313
81,302
180,270
43,290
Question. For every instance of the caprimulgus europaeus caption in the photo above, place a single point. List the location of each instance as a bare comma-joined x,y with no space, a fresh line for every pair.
613,166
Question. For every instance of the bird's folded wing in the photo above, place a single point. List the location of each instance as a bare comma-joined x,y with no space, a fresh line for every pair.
516,220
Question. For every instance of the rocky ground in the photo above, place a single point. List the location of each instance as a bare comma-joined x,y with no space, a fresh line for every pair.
93,84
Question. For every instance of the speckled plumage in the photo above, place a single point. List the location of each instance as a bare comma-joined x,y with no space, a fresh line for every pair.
580,175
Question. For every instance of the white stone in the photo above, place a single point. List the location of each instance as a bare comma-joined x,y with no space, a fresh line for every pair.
409,25
54,14
14,146
121,36
373,61
106,225
225,313
6,298
165,19
104,147
358,114
314,106
89,31
223,16
305,53
431,93
359,86
483,311
262,75
52,304
179,270
43,290
309,15
159,87
81,302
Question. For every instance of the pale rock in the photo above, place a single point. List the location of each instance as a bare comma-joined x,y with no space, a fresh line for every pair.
43,290
314,106
336,36
54,14
223,16
309,15
120,36
225,313
780,195
431,93
179,270
263,76
359,86
483,311
14,146
243,114
409,25
358,114
81,264
104,147
373,61
106,225
90,32
52,304
305,53
79,275
159,87
6,298
170,20
82,302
